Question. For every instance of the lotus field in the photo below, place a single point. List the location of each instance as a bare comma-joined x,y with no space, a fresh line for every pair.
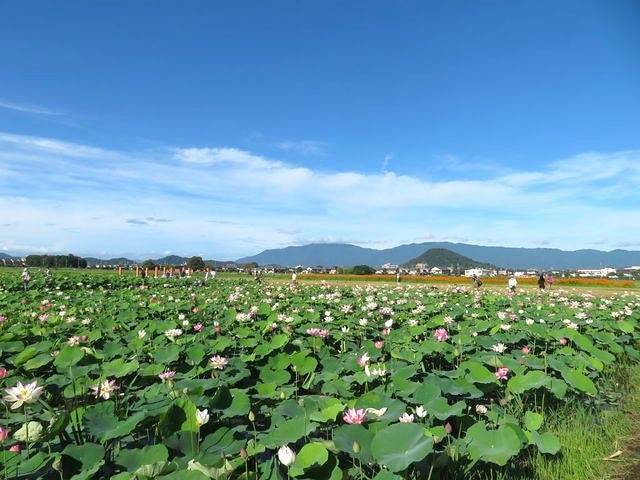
117,377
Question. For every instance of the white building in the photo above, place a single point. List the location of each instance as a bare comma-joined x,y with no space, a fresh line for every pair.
595,272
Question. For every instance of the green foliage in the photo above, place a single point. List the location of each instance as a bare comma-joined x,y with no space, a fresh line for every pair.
150,264
363,270
196,263
57,261
210,381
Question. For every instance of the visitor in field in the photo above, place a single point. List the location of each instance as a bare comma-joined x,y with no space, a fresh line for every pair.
26,278
294,277
398,277
550,280
513,283
541,281
476,281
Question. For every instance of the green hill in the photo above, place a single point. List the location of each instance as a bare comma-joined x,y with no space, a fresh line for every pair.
443,258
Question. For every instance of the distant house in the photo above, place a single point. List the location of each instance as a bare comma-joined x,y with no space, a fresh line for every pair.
435,271
479,272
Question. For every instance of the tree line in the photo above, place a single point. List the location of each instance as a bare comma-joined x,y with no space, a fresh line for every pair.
55,261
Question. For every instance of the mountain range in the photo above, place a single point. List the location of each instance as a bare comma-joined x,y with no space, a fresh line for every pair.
346,255
335,254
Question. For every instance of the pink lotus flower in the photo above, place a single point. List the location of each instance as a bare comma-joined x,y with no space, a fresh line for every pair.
218,362
364,359
563,341
502,373
525,350
197,327
4,433
441,334
104,389
15,448
3,373
354,416
318,332
379,344
406,418
23,394
166,375
385,331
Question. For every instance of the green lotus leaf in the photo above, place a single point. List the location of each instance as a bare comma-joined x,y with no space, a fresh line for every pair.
529,381
240,404
195,354
288,431
88,454
303,364
38,361
625,326
266,389
345,437
67,357
439,407
134,458
328,410
493,446
119,367
399,445
277,377
426,392
580,381
546,442
386,475
533,420
101,422
311,454
27,354
167,354
478,373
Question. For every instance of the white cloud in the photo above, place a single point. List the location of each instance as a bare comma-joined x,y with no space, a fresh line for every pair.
227,203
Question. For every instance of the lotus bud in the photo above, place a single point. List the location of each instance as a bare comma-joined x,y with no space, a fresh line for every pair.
286,455
356,447
252,416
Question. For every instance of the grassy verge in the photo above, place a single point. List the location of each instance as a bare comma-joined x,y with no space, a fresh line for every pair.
600,439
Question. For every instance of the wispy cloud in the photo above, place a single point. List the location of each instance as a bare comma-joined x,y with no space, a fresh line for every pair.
386,161
226,202
26,108
304,147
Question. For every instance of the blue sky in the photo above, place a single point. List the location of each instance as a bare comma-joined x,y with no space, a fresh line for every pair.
221,129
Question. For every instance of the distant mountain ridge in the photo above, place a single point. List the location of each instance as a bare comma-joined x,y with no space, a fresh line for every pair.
347,255
336,254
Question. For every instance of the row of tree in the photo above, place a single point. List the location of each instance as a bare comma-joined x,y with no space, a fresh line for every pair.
55,261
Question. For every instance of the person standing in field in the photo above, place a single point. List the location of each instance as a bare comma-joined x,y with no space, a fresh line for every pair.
550,280
541,282
26,278
513,283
